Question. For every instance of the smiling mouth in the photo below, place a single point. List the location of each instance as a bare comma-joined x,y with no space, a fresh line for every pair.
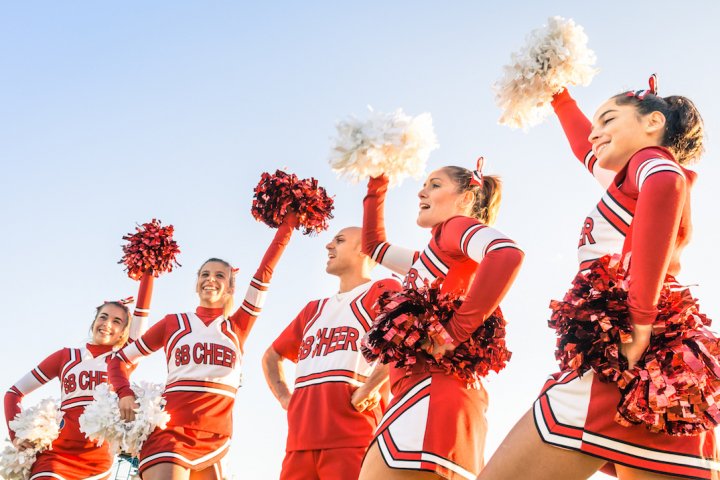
424,206
600,148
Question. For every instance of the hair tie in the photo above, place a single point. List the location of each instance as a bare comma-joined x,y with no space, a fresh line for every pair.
477,177
122,301
234,270
641,94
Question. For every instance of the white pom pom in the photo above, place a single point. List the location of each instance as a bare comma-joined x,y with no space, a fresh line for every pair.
100,422
553,57
40,425
394,144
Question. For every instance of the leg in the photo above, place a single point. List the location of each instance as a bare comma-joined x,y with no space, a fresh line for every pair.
166,471
548,462
627,473
374,467
213,472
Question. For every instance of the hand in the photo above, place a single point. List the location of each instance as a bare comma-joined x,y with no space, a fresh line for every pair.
22,444
127,407
285,400
362,399
634,350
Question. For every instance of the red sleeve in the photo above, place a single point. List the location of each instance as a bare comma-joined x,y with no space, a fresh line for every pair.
40,375
373,228
654,232
493,278
577,127
288,342
244,318
121,364
378,288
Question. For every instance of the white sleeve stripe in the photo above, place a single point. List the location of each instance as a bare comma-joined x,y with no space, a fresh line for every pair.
588,160
377,250
262,284
508,244
254,313
655,165
465,237
41,374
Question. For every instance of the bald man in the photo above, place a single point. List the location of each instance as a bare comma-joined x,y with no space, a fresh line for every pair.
338,398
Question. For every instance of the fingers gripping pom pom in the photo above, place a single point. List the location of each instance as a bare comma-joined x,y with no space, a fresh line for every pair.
410,320
280,193
40,426
101,420
150,250
394,144
675,387
553,57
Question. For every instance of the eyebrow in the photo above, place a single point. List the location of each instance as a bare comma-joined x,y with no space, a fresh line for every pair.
605,113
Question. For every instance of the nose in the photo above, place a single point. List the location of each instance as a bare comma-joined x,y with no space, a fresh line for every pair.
594,134
421,193
329,246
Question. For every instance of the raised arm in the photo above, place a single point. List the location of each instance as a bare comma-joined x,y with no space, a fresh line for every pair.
244,318
577,129
141,312
374,240
36,378
499,259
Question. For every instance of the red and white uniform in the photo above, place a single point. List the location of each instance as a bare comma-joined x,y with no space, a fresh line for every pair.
646,212
80,370
324,341
434,422
204,352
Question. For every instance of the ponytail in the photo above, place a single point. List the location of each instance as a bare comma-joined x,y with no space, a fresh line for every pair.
487,198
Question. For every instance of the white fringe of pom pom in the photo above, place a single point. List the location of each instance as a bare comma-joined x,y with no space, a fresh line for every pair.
40,425
101,420
553,57
394,144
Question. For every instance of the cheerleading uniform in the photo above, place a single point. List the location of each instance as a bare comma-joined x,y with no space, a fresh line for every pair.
71,456
324,341
645,212
435,422
204,352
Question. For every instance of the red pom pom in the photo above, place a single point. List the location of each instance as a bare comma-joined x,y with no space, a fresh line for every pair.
675,387
150,250
409,320
277,194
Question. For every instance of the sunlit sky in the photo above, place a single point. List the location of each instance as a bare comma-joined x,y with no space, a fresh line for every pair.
113,113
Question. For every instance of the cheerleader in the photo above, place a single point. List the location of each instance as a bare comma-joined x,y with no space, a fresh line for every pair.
79,370
435,425
204,351
646,141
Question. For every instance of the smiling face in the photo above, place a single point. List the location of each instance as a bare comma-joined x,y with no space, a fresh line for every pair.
214,284
109,325
440,200
618,131
345,252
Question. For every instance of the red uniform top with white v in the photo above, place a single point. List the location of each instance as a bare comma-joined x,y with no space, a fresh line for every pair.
80,370
471,257
660,217
203,351
324,341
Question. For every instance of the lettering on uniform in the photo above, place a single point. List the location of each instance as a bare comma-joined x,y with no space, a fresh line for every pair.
84,380
330,340
205,354
411,278
586,233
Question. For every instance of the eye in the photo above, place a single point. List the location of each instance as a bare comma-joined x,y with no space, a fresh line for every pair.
221,275
435,185
117,321
204,274
608,120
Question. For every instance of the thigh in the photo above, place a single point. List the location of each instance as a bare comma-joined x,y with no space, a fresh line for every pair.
299,465
166,471
340,463
626,473
213,472
548,462
374,467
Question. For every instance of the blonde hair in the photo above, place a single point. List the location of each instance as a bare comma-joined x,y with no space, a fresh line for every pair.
486,206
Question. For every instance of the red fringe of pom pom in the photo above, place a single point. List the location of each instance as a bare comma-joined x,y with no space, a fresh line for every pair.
675,387
281,192
150,250
411,319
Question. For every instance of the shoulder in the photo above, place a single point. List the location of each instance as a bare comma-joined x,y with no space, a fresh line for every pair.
650,161
384,285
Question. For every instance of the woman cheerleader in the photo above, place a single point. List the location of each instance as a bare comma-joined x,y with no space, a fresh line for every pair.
646,140
204,350
80,370
435,425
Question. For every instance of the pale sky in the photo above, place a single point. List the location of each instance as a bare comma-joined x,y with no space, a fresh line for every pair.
114,113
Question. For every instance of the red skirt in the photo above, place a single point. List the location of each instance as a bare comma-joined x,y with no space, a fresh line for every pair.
436,424
73,460
578,413
193,449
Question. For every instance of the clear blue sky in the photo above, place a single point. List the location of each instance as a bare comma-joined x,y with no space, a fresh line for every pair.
113,113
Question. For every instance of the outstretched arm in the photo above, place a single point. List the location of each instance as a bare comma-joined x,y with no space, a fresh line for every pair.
374,240
244,318
577,129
